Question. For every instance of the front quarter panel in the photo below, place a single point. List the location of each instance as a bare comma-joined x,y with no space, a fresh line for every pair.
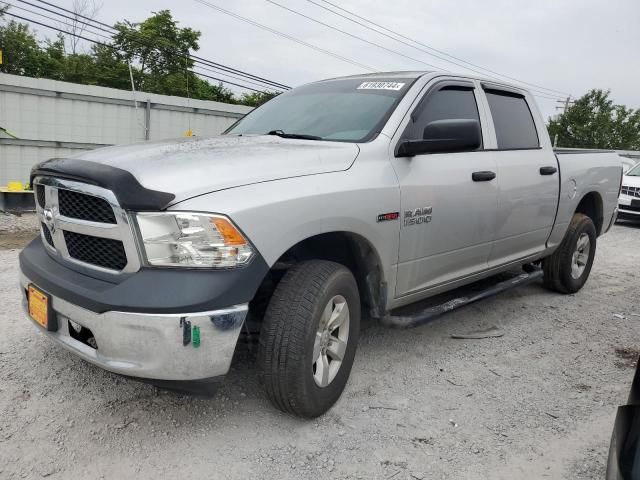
279,214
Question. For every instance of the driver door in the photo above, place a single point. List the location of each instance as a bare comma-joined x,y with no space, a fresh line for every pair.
449,218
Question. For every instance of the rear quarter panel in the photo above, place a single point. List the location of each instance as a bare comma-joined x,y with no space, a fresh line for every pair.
582,173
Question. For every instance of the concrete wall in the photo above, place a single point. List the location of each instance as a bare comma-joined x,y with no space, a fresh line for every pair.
55,119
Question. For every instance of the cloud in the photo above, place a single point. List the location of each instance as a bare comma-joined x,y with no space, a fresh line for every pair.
571,46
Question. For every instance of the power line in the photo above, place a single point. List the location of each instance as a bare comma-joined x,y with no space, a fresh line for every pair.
217,72
376,44
349,34
114,48
77,14
153,42
204,61
109,38
542,94
226,81
195,58
273,2
75,19
284,35
432,49
52,19
539,95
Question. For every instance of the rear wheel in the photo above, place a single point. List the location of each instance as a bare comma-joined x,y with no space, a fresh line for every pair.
568,268
309,337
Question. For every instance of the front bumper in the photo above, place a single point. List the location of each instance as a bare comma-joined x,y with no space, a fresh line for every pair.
626,213
149,346
625,207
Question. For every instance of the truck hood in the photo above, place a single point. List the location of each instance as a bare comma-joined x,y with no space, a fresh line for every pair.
631,181
187,167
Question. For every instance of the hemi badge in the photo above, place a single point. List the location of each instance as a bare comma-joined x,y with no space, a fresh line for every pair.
385,217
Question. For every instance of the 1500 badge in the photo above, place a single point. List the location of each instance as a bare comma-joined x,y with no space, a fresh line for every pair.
417,216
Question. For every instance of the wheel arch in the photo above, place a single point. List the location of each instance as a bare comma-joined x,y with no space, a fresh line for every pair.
591,205
350,249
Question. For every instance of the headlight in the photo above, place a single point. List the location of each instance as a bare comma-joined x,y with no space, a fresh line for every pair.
189,239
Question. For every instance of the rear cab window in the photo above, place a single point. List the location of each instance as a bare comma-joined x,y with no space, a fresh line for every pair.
512,120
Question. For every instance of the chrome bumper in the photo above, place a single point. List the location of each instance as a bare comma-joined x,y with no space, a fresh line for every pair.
627,213
150,346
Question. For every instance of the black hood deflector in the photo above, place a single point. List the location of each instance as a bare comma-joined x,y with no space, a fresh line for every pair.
130,193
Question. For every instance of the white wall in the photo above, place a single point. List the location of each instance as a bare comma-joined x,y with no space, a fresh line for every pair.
56,119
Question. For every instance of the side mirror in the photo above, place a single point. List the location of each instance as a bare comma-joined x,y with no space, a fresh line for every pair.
451,135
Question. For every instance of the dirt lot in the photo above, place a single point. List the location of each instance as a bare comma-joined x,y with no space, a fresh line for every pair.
17,230
538,402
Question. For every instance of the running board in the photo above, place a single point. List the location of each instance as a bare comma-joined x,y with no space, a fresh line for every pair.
427,314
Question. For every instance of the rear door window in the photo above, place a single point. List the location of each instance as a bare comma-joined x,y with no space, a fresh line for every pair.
512,120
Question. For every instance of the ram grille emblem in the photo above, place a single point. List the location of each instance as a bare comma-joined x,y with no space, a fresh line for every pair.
49,220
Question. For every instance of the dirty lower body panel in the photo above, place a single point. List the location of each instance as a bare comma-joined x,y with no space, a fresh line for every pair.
192,347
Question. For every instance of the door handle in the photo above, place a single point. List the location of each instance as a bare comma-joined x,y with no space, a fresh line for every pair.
484,176
548,170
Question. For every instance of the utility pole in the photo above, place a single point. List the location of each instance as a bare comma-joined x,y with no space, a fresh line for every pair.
564,106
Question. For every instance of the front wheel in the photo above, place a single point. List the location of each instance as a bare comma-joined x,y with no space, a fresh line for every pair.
309,336
568,268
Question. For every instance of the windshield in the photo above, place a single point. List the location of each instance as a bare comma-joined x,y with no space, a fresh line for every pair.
634,172
347,110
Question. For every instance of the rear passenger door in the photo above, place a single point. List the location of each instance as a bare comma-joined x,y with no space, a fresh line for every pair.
527,176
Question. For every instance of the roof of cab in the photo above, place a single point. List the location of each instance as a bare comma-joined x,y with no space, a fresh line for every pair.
413,74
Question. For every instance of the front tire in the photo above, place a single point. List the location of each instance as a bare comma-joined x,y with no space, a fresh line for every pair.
568,268
309,337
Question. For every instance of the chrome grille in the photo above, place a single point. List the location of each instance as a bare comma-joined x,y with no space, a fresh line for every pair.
103,252
47,235
40,195
84,227
85,207
631,191
628,208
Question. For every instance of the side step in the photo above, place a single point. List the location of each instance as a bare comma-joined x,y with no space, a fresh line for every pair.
425,315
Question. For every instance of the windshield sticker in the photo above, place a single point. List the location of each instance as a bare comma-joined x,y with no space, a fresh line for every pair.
381,86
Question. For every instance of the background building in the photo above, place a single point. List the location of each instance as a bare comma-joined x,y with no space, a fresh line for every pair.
42,119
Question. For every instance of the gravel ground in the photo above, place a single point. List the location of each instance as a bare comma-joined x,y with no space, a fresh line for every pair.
538,402
17,230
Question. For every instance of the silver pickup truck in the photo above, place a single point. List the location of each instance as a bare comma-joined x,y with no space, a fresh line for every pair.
349,197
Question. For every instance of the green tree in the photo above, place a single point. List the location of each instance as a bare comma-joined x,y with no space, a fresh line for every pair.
21,54
157,45
594,121
157,50
255,99
112,68
208,91
53,59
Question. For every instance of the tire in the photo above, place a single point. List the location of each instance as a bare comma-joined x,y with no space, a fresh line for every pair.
309,292
560,273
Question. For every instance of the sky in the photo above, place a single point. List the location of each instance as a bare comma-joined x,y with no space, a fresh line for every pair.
569,46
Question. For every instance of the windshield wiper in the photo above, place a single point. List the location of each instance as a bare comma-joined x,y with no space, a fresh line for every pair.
300,136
